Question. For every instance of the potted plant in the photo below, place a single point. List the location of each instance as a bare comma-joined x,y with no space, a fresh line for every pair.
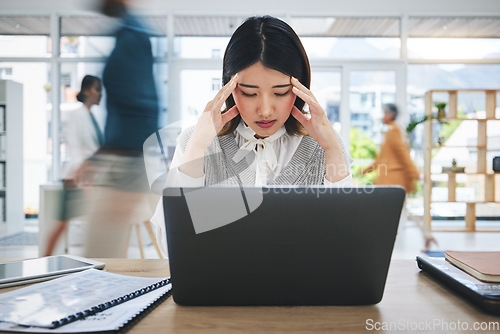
440,115
440,107
411,126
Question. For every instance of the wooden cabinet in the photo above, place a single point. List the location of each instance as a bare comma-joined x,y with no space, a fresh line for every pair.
11,156
479,149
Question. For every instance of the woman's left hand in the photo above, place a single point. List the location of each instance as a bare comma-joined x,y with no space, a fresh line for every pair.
317,125
319,128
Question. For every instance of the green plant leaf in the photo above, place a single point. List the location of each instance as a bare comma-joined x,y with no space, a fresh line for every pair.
440,105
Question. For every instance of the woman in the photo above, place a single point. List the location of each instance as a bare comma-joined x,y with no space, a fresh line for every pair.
83,138
263,136
395,166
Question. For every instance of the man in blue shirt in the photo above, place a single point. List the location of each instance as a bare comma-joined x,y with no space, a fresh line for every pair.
121,191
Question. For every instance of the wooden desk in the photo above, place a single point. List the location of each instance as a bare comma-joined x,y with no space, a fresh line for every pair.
411,299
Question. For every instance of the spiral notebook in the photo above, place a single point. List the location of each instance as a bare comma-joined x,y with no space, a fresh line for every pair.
89,301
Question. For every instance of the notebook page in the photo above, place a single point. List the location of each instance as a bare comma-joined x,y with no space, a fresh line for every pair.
43,303
108,320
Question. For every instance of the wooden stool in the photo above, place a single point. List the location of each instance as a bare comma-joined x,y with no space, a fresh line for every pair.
147,224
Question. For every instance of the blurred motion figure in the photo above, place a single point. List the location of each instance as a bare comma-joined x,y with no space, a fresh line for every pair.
83,138
121,191
395,166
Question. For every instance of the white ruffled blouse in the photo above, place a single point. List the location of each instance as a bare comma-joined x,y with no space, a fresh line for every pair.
267,157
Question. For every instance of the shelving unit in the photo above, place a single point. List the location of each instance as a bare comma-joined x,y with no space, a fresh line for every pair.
11,157
481,169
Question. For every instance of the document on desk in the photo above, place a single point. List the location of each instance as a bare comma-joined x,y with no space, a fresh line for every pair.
81,295
115,319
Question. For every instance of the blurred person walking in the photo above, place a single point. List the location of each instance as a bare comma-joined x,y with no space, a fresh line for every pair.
121,190
83,138
395,167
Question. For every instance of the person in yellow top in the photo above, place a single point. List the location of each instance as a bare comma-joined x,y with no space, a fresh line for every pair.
394,164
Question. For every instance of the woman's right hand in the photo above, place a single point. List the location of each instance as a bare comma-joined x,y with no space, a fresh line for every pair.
212,120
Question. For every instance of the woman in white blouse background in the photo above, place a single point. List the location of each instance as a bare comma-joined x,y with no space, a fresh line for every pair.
263,135
83,138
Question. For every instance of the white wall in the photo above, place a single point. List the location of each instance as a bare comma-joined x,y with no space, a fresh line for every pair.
312,7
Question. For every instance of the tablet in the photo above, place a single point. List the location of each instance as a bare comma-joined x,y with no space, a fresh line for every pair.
44,268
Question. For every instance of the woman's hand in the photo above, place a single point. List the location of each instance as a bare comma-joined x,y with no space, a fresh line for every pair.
319,128
211,122
367,170
317,125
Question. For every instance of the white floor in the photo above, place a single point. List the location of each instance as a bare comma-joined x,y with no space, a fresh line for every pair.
409,242
75,247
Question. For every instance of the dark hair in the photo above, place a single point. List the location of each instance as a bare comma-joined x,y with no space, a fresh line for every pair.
113,8
87,83
272,42
391,109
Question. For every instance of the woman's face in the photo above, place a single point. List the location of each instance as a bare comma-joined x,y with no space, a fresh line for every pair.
388,117
94,93
264,99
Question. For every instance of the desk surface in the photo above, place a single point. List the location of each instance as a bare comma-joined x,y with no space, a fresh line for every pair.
412,301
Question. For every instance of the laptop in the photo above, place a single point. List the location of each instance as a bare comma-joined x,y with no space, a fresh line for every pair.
280,245
483,294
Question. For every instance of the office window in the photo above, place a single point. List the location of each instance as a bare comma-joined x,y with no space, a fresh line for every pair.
5,73
352,48
454,27
216,84
369,90
89,36
326,88
196,88
199,47
25,36
454,37
422,78
216,53
454,48
349,37
160,71
203,36
35,78
450,76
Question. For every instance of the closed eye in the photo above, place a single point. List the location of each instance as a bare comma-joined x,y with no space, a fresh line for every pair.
246,94
286,93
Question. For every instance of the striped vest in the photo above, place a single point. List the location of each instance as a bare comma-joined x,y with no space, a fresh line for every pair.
307,166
